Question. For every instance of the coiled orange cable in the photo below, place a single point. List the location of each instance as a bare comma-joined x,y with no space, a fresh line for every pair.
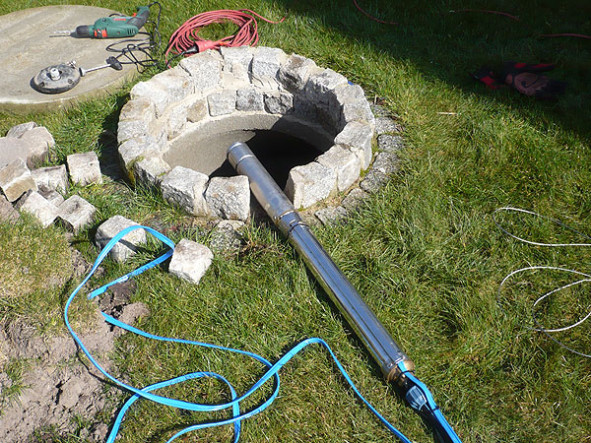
186,40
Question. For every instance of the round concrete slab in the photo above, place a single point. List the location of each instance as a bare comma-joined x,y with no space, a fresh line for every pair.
27,46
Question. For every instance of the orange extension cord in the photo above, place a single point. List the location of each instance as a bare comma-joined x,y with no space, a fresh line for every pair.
186,40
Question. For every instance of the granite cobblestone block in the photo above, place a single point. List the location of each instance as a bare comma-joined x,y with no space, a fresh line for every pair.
294,73
278,103
128,245
150,170
267,61
357,136
229,197
16,179
76,213
190,261
41,209
185,188
84,168
51,178
345,164
221,103
205,71
308,184
249,100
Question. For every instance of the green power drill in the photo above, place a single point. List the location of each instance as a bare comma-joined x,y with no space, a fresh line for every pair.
112,27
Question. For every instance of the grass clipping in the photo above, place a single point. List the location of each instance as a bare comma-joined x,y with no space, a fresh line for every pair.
32,259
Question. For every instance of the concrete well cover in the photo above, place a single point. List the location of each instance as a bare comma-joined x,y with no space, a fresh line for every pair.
27,46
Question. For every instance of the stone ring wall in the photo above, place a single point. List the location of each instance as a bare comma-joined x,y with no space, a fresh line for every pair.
244,88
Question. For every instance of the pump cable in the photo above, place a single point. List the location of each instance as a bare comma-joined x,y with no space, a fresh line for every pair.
272,371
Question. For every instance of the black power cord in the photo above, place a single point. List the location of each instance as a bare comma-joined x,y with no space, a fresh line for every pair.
139,52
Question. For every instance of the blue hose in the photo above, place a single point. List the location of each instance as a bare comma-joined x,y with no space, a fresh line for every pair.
238,416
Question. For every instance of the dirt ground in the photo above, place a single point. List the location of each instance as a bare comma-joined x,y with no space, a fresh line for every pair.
58,390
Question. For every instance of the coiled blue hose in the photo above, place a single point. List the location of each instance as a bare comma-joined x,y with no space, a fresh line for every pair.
234,404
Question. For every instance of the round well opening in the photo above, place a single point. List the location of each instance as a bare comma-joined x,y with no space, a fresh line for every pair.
279,146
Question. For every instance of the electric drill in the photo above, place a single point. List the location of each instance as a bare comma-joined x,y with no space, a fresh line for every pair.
113,27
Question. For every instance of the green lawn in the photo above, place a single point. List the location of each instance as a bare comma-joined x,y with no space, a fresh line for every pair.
424,251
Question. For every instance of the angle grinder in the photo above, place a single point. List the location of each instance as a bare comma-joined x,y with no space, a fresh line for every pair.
63,77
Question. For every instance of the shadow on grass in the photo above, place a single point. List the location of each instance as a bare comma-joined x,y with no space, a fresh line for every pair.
107,142
446,42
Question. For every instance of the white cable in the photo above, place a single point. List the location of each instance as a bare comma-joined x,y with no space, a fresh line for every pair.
587,277
554,220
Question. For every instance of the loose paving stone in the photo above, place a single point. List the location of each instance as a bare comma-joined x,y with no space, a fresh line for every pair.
19,130
53,197
84,168
51,178
38,136
390,143
330,216
36,205
11,149
308,184
344,163
16,179
229,197
185,187
76,213
128,245
27,142
190,261
7,212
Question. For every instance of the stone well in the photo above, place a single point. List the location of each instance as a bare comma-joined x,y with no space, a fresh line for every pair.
312,126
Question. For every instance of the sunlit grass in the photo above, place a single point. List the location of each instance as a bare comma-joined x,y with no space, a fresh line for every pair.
424,251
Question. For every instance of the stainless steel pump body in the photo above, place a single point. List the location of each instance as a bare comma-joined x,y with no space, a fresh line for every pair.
359,316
